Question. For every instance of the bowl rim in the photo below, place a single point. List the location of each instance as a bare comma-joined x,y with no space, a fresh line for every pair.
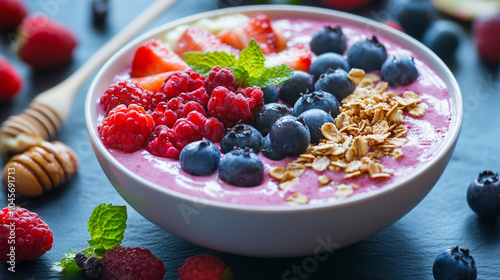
427,55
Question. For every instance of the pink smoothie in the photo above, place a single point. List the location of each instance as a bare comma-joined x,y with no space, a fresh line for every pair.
425,137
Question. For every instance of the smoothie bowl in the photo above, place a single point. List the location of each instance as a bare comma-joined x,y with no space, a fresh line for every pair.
384,147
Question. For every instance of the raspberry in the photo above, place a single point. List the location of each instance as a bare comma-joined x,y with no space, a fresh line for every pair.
33,236
230,107
11,81
182,107
221,77
162,143
45,44
186,132
125,92
164,116
208,128
188,85
126,128
12,13
204,267
136,263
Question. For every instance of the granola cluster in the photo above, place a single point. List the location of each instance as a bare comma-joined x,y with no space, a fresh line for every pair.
369,126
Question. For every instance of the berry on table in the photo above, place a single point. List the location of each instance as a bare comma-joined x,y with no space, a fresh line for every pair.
317,100
93,267
328,61
269,114
200,158
204,267
300,83
12,13
44,43
483,195
399,71
289,137
415,16
314,119
271,94
336,82
241,136
455,263
328,39
443,38
485,31
126,128
10,80
154,57
33,236
125,92
100,9
131,263
242,168
367,54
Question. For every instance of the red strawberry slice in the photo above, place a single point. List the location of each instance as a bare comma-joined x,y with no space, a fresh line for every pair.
153,82
155,57
195,39
298,57
257,27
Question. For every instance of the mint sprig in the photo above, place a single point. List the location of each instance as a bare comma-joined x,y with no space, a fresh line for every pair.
249,69
106,227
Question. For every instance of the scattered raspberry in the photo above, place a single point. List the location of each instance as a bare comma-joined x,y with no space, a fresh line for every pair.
12,13
188,85
131,263
126,129
221,77
204,267
10,80
162,143
230,107
33,236
44,43
485,30
125,92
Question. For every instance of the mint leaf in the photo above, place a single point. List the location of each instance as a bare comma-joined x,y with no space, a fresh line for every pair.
252,59
249,69
106,227
204,62
271,76
68,264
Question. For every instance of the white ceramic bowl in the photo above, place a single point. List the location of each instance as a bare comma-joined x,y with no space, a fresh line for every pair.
277,231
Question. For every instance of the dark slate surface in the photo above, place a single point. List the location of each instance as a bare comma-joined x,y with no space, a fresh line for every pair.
405,250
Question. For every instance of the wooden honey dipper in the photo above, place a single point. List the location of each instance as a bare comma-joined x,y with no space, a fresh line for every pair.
41,168
48,111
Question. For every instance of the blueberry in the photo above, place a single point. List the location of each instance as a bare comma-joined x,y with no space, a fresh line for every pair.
328,61
289,137
329,40
271,94
483,194
80,258
268,114
93,267
337,83
367,54
456,264
241,168
442,38
317,100
200,158
415,16
399,71
242,136
314,119
269,152
300,82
